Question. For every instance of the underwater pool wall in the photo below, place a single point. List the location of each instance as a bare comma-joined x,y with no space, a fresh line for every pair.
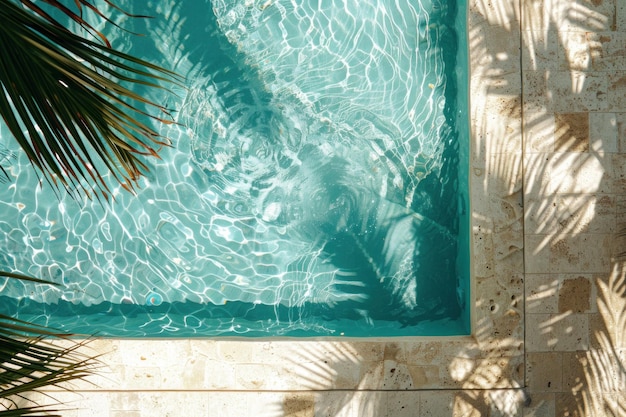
361,377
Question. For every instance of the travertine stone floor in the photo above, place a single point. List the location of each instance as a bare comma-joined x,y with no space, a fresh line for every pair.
574,103
548,173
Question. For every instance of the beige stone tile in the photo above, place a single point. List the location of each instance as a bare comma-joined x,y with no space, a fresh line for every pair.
604,132
540,214
507,217
152,353
264,404
576,294
425,377
217,375
502,336
397,376
538,135
497,337
505,175
574,365
510,259
557,332
262,377
591,51
301,404
575,173
618,174
340,375
611,304
502,46
537,254
621,131
542,404
571,132
601,332
235,351
489,403
535,15
394,351
586,213
477,27
620,211
364,351
493,372
333,403
544,371
403,404
471,403
483,255
620,20
427,353
132,404
607,51
503,307
569,404
588,15
507,402
580,91
573,51
229,404
128,402
541,293
371,376
538,175
498,130
560,293
437,403
505,14
369,403
618,383
539,48
581,253
145,378
536,97
615,402
191,372
616,83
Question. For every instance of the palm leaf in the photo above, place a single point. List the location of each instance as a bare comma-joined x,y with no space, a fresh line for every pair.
68,101
28,364
5,155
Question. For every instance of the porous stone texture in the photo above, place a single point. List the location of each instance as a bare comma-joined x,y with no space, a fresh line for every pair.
574,182
548,191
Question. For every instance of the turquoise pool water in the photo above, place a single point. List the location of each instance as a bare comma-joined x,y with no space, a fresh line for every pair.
316,186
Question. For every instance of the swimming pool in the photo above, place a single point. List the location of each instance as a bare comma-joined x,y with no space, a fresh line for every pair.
317,186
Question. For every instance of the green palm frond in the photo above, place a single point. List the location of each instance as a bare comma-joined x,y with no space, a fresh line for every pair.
30,364
5,155
64,99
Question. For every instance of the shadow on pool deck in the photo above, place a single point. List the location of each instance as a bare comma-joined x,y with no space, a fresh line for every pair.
570,98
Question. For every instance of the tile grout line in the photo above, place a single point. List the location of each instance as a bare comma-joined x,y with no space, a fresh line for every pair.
523,173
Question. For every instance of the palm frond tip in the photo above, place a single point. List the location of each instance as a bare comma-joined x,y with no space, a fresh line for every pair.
65,101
